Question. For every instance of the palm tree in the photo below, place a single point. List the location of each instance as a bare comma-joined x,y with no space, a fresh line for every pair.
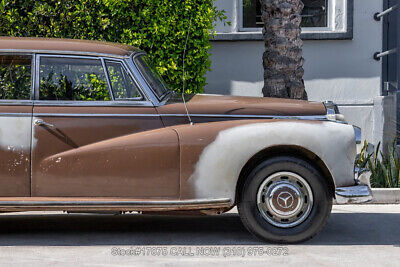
282,59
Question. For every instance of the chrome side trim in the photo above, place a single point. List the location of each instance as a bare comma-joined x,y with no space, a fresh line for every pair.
322,118
5,102
300,117
15,114
92,115
113,202
138,205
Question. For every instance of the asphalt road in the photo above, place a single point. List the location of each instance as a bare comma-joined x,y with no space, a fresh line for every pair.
354,236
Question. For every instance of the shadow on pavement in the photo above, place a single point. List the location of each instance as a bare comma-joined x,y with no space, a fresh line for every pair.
227,229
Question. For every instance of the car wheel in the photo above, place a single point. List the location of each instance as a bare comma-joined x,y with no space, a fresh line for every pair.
284,200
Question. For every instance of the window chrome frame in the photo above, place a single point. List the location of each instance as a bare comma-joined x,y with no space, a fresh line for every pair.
61,52
107,78
123,103
93,103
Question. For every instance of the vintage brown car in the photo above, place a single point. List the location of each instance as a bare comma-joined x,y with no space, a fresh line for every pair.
91,126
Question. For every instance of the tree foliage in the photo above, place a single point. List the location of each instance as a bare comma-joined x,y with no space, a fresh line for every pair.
159,27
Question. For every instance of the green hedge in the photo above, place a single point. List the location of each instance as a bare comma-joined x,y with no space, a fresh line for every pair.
158,27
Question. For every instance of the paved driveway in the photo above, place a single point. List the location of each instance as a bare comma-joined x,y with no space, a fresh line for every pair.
355,235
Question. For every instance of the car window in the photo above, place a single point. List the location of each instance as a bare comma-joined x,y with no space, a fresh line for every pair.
77,79
152,76
122,85
15,77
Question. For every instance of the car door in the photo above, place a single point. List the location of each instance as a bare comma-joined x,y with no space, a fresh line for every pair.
95,133
15,124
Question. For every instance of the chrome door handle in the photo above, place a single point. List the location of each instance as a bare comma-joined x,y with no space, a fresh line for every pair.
40,122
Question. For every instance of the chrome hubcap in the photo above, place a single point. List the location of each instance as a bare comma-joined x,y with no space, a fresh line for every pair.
284,199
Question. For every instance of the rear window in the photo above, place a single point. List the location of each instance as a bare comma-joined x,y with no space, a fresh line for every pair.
15,77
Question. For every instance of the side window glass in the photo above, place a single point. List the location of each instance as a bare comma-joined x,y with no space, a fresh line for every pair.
76,79
122,85
15,77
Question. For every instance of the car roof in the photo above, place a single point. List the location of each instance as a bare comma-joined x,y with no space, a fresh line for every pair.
64,46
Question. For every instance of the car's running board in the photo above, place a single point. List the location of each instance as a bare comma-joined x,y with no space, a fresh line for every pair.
115,204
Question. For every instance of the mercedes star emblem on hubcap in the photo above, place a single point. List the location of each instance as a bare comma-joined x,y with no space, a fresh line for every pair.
285,200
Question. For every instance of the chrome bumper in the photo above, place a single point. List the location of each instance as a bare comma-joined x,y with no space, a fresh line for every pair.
353,194
359,193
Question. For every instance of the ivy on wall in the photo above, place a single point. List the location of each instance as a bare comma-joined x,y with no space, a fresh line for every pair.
159,27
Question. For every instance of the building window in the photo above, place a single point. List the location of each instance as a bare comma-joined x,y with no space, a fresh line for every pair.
315,14
321,20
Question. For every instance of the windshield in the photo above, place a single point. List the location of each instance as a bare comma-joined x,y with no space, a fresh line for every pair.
152,76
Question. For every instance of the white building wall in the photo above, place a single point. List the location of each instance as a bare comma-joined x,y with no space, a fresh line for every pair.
343,71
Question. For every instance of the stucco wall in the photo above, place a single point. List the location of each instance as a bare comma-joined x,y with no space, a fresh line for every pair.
343,71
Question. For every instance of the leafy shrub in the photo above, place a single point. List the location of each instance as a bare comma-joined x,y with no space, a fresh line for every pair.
159,27
385,170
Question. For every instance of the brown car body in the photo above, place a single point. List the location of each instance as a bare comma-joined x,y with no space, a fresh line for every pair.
145,155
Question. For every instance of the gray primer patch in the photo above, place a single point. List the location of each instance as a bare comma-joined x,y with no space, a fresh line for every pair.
15,137
15,133
220,163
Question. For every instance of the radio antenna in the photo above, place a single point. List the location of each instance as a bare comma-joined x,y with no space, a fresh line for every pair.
183,74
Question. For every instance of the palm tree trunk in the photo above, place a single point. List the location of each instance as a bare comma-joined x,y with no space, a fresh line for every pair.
282,59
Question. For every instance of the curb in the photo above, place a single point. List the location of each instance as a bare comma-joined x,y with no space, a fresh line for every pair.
385,196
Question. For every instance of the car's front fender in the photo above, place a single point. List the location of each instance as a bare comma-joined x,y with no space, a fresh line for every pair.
213,154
